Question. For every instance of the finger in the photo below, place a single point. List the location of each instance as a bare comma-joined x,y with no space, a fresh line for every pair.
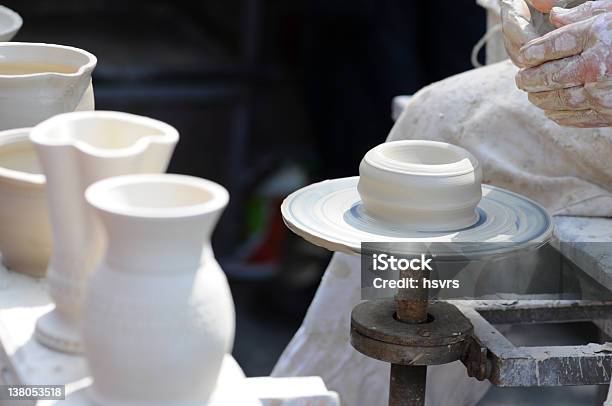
580,119
513,51
560,43
544,6
574,98
600,95
516,27
516,22
559,74
560,17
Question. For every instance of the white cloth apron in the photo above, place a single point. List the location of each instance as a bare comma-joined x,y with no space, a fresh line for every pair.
567,170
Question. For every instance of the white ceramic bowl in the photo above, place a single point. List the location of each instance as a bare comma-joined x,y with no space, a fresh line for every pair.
25,233
39,81
10,23
423,185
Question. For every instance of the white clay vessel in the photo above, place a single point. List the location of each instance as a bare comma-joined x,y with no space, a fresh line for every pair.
159,315
412,192
76,150
10,23
422,185
38,81
25,233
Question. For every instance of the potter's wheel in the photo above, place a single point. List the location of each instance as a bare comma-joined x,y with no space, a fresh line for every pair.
332,214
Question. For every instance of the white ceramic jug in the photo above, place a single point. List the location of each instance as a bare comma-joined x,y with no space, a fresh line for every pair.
38,81
75,150
25,233
159,316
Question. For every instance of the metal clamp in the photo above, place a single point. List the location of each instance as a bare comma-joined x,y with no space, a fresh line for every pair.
377,333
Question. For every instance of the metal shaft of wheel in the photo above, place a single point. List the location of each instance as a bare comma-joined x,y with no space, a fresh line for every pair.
407,384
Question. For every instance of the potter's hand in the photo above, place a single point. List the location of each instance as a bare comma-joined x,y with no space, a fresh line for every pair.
569,69
560,17
519,23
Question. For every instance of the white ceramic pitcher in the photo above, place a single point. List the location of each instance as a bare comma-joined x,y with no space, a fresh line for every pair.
38,81
159,316
75,150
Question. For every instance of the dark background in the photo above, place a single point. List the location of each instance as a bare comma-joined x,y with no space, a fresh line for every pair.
267,96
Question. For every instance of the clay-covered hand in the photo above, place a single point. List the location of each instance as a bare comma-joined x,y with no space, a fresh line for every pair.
569,69
521,24
561,17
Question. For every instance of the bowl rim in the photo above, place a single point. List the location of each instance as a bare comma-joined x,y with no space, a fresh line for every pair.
84,69
378,158
97,196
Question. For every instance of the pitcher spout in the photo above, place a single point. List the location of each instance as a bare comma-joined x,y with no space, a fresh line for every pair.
109,141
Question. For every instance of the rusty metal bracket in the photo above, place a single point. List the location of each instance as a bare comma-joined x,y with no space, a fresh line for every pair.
464,331
411,343
492,356
475,358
